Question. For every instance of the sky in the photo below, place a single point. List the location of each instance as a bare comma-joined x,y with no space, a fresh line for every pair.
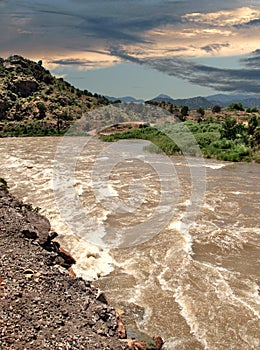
140,48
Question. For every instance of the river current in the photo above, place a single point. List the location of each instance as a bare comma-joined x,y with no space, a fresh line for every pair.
194,274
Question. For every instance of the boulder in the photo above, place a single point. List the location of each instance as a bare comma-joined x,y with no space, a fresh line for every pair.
24,87
68,260
134,333
41,225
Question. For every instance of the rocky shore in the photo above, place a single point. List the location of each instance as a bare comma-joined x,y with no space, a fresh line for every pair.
43,304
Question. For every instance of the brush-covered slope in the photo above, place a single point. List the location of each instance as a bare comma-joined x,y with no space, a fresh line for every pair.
32,101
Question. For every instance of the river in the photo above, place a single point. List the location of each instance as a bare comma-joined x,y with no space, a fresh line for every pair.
173,239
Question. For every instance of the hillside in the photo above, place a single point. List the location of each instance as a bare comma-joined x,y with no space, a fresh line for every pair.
34,102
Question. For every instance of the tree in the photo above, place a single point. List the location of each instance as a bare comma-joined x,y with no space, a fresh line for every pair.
252,110
231,130
201,111
228,128
252,124
216,109
184,111
42,109
236,107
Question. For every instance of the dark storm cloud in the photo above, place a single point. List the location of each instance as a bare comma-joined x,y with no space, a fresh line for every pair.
231,80
71,62
76,24
81,22
76,62
253,61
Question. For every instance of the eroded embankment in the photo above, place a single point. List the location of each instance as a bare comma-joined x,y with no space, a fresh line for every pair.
43,304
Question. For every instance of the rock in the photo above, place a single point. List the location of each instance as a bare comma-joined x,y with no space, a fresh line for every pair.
159,342
41,224
71,272
121,328
52,235
101,297
29,232
28,273
24,87
134,333
68,260
135,344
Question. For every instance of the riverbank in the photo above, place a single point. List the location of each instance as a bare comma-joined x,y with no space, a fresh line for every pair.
44,305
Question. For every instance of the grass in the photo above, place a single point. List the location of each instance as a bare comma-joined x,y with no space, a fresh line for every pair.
224,140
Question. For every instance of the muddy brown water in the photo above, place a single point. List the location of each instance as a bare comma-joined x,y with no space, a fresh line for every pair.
198,284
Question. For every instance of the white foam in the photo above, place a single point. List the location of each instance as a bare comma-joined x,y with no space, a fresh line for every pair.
215,166
92,262
207,206
103,191
78,187
189,316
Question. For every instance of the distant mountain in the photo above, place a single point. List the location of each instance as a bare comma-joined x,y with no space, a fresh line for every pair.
126,99
227,98
222,100
192,103
163,97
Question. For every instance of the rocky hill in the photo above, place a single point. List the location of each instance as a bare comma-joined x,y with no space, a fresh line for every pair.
34,102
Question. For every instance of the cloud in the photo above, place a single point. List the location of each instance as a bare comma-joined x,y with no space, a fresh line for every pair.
253,23
233,17
77,25
82,64
232,80
253,61
214,47
164,35
242,80
71,62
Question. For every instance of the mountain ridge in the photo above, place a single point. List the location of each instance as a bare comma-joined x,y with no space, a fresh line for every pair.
223,100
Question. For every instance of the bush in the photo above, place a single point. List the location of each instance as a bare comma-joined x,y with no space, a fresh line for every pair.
236,107
216,109
3,184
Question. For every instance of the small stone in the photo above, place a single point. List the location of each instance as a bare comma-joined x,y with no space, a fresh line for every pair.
28,273
101,297
29,233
